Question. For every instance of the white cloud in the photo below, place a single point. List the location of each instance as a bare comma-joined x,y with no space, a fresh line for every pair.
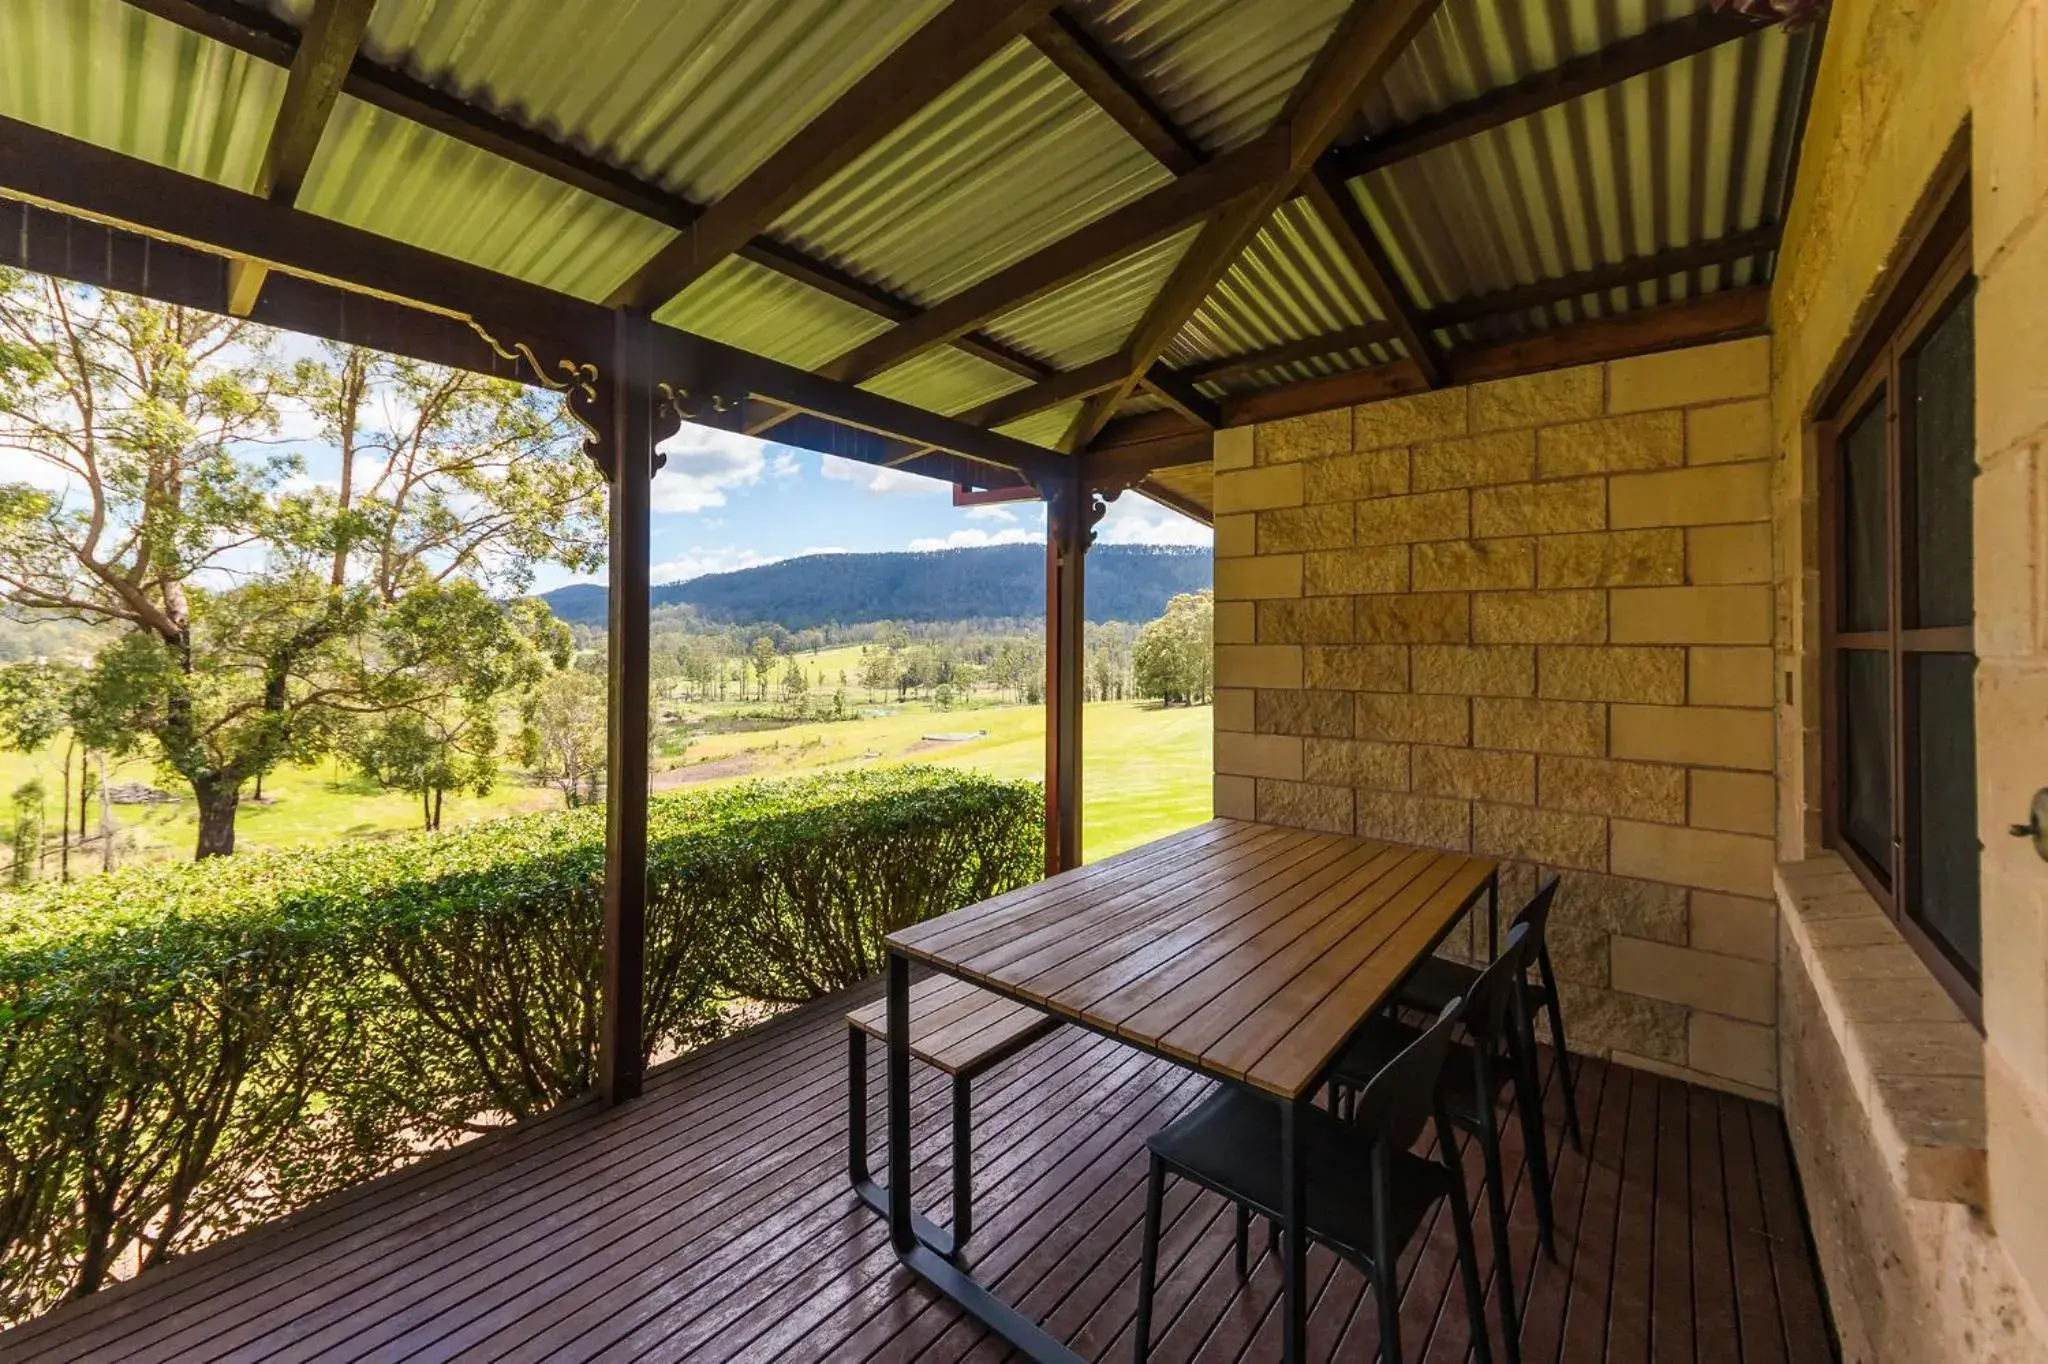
874,478
705,464
784,464
991,512
976,539
1133,520
700,562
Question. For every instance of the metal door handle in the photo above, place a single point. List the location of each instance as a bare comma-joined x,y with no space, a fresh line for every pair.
2036,827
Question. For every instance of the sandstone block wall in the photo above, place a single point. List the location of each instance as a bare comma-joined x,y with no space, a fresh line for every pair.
1533,618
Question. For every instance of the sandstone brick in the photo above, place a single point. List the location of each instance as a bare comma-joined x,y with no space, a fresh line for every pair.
1231,448
1615,673
1426,821
1701,858
2011,568
1474,774
1258,665
1728,433
1420,516
1600,786
1349,478
1299,438
1258,489
1631,558
1358,667
1233,709
1555,508
1551,837
1400,717
1690,615
1712,495
1730,677
1303,712
1287,530
1351,762
1737,802
1353,572
1703,980
1606,1020
1474,565
1475,670
1558,395
1539,726
1403,421
1414,618
1560,617
1305,620
1265,575
1236,623
1697,374
1503,457
1303,805
1236,536
1728,554
1620,904
1259,755
1235,797
1706,736
1644,440
1746,1053
1734,925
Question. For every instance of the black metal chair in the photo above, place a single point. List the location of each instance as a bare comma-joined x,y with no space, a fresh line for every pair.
1436,980
1368,1193
1499,1057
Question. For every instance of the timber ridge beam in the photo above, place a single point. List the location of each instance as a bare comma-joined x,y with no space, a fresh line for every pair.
82,180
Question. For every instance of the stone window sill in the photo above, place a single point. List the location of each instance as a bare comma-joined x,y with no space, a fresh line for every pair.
1915,1062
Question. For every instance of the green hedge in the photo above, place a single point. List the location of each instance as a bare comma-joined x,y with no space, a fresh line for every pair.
190,1049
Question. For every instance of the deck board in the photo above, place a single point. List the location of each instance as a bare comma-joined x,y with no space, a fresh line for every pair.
710,1221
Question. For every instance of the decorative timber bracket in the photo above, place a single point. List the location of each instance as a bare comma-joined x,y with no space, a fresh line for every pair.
1072,536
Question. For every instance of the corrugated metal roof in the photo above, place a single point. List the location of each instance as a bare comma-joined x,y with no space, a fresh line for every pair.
945,380
1010,159
752,307
1045,428
1219,68
105,72
691,93
1093,316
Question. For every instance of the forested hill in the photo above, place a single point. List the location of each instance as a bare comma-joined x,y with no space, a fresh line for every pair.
1125,582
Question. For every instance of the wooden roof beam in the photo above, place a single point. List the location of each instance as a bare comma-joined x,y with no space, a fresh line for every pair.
1333,202
333,33
1659,46
953,43
260,34
1603,279
1287,353
1075,51
1356,56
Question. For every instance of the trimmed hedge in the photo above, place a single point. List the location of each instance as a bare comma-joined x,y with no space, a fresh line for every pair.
187,1050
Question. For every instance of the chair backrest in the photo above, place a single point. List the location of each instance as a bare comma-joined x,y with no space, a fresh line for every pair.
1490,1004
1397,1101
1536,914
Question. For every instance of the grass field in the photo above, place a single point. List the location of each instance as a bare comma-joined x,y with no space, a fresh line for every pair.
1146,773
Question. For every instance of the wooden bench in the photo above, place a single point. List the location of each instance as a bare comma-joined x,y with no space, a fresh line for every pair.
957,1028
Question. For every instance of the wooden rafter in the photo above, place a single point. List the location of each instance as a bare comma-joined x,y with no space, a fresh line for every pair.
1367,39
1333,202
260,34
1602,279
1070,47
1078,382
1144,221
333,33
1287,353
1182,396
959,38
1659,46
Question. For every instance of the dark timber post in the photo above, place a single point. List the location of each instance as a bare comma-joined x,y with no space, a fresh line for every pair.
629,462
1067,533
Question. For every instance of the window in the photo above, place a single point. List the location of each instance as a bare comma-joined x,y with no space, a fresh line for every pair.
1898,461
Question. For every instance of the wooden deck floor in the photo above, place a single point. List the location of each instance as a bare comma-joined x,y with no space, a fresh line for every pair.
711,1221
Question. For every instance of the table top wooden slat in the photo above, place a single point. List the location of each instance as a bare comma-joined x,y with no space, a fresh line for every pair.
955,1023
1243,950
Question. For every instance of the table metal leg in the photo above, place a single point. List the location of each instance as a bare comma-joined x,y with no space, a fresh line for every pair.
1293,1235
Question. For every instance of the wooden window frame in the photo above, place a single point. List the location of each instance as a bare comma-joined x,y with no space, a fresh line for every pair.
1933,280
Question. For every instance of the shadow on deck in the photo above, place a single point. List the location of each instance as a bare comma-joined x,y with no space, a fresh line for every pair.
711,1220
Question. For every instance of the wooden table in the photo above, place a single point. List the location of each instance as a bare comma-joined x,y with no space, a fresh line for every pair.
1243,951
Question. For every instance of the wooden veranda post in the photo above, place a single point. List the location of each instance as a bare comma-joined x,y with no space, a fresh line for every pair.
628,440
1067,533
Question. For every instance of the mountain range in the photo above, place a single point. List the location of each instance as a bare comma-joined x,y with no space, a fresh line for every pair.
1124,582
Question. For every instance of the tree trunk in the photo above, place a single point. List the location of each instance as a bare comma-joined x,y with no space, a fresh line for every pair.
218,802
